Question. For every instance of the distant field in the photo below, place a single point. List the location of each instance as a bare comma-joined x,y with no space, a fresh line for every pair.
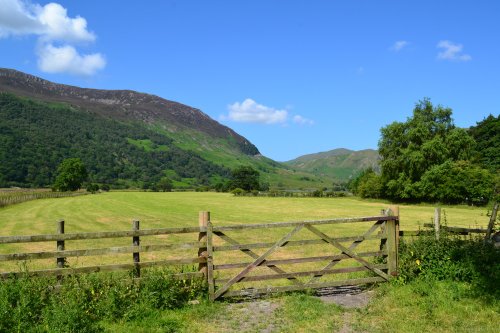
116,210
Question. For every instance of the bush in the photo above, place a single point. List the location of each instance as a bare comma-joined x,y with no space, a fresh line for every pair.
450,258
92,188
32,304
238,192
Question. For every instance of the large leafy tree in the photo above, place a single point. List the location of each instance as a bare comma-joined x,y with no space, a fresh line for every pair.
246,178
71,174
410,149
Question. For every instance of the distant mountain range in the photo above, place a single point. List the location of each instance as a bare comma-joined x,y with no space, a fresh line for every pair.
339,164
123,136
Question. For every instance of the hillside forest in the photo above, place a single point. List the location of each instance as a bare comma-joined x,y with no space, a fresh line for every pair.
36,137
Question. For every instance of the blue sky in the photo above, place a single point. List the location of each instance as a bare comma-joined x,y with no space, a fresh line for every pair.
294,77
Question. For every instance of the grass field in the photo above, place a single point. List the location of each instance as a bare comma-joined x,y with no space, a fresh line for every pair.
115,211
441,307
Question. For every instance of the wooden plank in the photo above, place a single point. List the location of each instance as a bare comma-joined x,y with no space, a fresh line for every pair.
260,291
458,229
303,273
297,260
96,235
100,251
406,233
491,224
60,261
210,264
203,218
168,231
391,248
311,222
294,243
257,261
437,221
136,255
102,268
252,254
347,251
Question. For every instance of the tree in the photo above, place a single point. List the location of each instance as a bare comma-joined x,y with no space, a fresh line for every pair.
487,136
71,173
246,178
367,184
165,185
408,150
92,188
456,182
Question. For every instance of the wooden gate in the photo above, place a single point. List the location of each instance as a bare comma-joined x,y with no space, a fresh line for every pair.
378,239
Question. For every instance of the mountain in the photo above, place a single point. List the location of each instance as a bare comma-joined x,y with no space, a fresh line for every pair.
124,137
125,105
339,164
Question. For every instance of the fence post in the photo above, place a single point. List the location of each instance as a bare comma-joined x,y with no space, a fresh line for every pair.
437,221
60,245
203,219
210,262
392,241
135,255
491,224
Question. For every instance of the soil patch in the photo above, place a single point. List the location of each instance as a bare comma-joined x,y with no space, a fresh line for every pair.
347,297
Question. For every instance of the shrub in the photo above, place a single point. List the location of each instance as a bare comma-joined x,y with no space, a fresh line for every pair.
92,188
82,302
238,191
450,258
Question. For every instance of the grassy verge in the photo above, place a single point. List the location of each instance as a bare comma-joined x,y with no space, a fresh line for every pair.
429,306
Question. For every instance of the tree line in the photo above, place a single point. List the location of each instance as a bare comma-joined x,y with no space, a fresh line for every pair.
428,158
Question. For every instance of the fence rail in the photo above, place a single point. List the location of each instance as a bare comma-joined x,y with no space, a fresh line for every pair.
215,244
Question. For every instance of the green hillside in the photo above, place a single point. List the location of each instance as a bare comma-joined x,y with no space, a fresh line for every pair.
338,164
35,137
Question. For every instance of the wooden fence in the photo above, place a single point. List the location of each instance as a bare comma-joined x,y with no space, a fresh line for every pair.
11,197
218,244
61,254
437,227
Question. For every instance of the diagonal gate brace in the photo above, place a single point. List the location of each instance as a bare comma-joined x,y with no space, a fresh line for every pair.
351,247
254,255
257,261
348,252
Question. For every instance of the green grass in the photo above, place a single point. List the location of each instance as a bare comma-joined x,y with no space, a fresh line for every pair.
115,210
429,306
419,306
147,145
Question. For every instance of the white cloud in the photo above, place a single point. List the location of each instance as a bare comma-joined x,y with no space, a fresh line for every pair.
452,51
399,45
52,25
249,111
65,59
302,121
58,26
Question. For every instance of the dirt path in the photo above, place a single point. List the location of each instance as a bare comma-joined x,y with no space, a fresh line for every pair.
263,316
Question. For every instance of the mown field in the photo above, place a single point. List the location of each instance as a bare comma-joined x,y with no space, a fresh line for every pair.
416,307
116,210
